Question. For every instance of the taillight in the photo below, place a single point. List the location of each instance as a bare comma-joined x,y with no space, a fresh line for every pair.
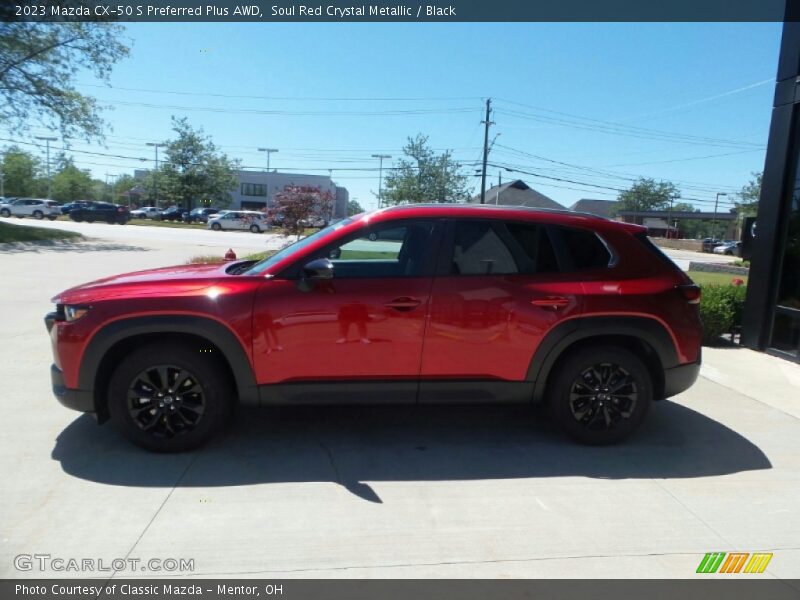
691,292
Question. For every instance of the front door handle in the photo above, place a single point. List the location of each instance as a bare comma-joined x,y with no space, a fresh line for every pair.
554,302
403,304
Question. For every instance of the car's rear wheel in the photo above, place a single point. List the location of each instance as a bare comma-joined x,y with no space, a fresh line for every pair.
255,229
169,397
216,226
38,215
600,394
52,217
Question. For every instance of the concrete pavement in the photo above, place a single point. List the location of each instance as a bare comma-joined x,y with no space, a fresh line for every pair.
390,492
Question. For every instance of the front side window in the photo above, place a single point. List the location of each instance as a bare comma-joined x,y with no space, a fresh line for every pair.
384,250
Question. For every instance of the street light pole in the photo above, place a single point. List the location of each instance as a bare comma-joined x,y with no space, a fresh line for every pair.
268,151
47,141
155,145
714,222
380,158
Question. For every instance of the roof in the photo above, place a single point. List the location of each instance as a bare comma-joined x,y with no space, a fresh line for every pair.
517,193
601,208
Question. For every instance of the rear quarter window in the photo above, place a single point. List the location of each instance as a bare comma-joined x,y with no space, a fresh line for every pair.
585,249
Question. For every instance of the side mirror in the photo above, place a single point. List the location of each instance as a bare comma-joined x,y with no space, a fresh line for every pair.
318,269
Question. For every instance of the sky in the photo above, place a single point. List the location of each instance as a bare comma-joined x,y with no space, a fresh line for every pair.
581,110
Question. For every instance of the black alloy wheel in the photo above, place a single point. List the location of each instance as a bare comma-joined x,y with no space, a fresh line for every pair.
600,394
166,401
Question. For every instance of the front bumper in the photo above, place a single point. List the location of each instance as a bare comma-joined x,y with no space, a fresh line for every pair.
679,379
80,400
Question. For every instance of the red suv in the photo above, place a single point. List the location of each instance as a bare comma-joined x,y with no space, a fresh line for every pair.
412,304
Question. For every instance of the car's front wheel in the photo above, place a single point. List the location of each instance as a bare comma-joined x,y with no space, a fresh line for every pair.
169,397
600,394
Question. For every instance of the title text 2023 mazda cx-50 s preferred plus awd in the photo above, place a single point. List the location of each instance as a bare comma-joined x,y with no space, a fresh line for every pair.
469,304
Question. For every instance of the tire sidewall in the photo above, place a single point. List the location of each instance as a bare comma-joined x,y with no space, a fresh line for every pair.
573,366
216,387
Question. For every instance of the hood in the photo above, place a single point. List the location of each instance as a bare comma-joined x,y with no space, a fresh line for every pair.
175,281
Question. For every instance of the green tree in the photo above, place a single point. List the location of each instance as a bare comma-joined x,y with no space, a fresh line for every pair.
648,194
424,176
354,208
20,172
72,183
749,195
194,170
39,63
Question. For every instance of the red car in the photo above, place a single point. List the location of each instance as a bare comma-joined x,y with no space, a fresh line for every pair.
471,304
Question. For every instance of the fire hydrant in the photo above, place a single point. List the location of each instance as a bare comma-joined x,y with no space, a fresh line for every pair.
230,254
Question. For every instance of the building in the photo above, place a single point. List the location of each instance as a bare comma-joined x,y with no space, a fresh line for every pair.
517,193
601,208
771,319
256,190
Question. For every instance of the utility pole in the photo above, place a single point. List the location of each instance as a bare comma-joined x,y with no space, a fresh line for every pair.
714,222
268,151
47,141
380,157
155,172
487,123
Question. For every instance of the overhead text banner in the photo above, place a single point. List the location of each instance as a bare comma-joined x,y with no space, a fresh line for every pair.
394,11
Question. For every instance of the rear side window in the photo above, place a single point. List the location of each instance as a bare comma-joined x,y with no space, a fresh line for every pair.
585,249
497,248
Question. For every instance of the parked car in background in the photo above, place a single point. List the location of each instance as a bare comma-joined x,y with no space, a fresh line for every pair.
199,215
729,248
173,213
69,206
241,220
37,208
146,212
710,243
6,204
101,211
486,304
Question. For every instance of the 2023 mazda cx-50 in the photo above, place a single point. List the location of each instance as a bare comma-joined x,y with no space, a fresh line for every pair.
469,304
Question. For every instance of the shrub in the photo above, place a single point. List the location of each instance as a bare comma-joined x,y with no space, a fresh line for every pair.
721,310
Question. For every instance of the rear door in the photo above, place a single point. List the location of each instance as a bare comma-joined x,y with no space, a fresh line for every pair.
499,289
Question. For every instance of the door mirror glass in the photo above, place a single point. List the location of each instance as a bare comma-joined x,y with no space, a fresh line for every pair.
318,270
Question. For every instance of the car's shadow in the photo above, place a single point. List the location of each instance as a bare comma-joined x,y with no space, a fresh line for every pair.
49,246
353,445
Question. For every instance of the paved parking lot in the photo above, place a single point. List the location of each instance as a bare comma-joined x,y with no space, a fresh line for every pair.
389,492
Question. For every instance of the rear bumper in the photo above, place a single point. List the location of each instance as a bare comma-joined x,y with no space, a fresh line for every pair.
80,400
679,379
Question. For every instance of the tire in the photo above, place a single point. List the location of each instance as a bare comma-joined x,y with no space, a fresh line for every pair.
372,237
38,215
600,418
52,217
216,226
5,213
173,425
111,220
255,228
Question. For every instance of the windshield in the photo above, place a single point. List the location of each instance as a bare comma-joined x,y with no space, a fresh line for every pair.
298,246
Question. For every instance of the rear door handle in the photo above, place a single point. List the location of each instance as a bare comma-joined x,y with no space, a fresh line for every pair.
403,303
554,302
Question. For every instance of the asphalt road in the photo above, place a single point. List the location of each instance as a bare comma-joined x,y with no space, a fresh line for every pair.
388,492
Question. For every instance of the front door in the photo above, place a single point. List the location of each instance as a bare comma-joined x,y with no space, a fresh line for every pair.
362,329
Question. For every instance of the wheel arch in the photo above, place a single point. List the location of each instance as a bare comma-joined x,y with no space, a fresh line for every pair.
644,336
116,340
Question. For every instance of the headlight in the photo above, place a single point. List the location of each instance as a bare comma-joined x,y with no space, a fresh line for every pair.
74,312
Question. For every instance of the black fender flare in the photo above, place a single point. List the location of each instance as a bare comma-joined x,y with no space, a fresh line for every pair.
564,335
213,331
